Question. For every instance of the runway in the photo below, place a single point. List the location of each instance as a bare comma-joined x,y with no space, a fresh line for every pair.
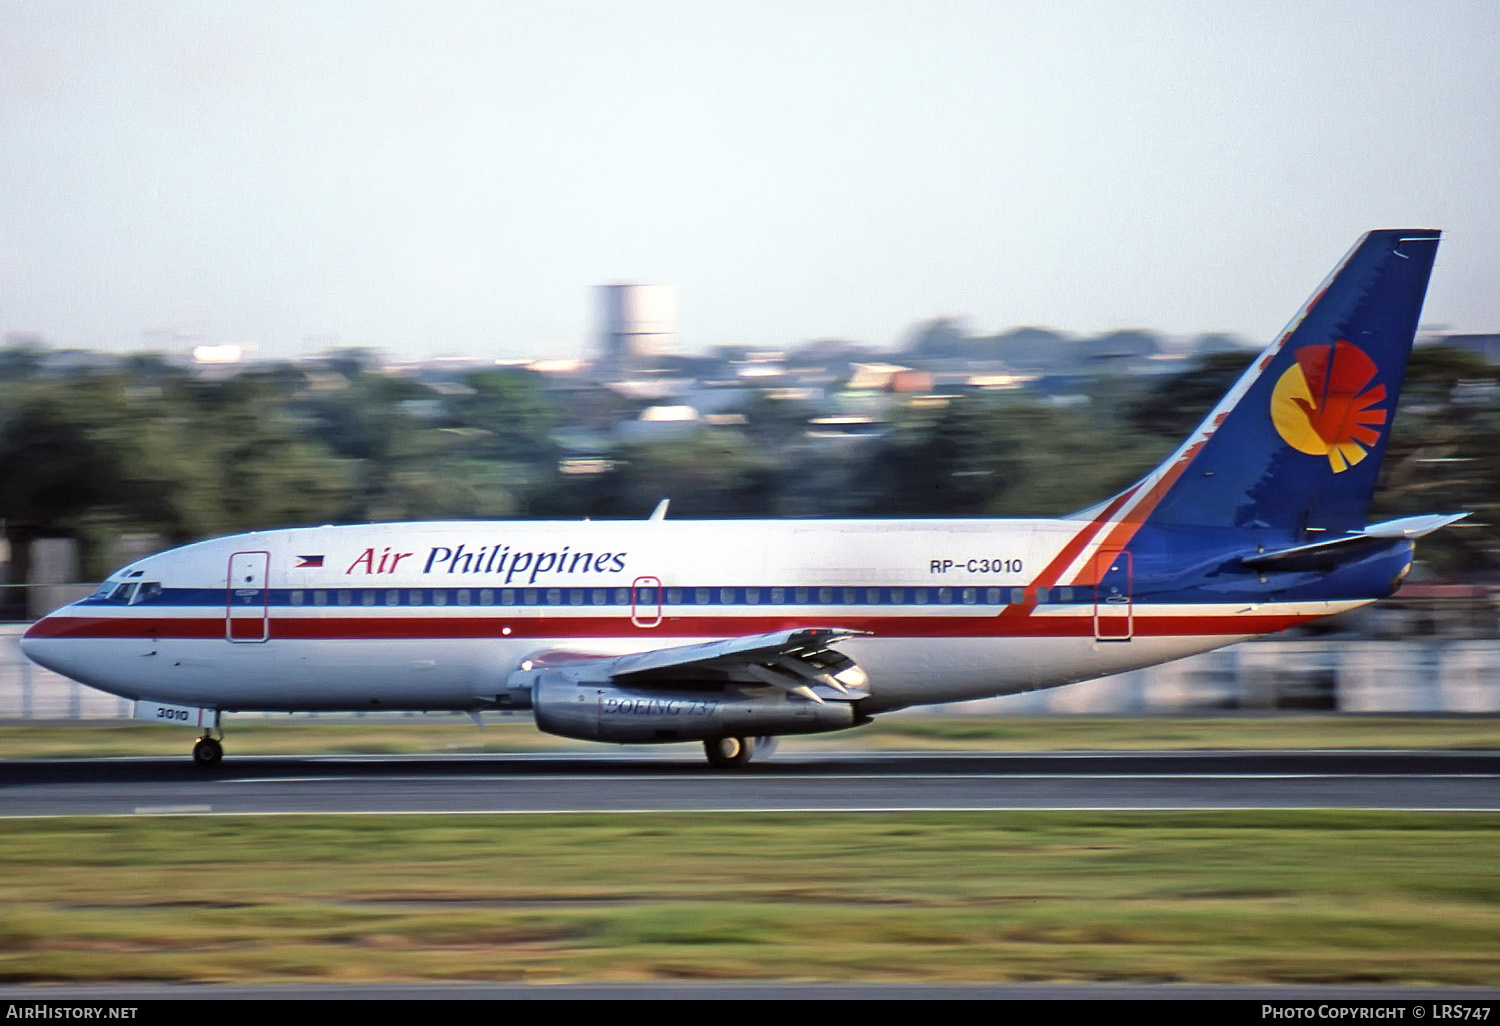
629,780
658,780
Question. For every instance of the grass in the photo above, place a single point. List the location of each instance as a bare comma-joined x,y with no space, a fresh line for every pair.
1233,897
456,734
1293,897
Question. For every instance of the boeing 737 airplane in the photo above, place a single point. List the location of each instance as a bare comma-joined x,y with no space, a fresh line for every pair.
735,632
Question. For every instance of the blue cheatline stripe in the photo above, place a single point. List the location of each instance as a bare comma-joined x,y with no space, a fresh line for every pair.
613,597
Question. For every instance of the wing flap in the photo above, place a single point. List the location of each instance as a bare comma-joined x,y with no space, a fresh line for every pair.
801,662
804,644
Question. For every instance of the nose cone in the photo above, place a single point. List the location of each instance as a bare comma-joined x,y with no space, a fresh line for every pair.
46,642
72,645
34,641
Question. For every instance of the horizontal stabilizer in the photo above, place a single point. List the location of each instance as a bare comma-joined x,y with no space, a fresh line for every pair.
1413,527
1334,549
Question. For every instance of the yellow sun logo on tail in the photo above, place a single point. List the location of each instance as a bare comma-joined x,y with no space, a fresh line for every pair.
1321,406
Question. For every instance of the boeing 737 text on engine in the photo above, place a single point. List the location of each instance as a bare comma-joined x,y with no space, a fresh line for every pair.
733,633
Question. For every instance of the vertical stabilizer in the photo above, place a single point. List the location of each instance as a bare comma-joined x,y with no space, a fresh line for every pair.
1297,443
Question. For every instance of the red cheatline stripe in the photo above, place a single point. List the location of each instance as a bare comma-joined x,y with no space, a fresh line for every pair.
1069,552
687,627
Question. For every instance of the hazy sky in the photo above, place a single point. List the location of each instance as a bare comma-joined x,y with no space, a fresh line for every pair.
444,177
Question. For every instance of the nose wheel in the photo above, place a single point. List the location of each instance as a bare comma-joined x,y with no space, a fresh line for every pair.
207,752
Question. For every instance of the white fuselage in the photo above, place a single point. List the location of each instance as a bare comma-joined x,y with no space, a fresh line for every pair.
431,616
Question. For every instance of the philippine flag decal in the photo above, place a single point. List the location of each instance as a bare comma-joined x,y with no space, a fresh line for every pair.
309,561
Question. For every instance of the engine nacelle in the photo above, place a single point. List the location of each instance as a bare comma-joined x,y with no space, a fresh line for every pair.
605,711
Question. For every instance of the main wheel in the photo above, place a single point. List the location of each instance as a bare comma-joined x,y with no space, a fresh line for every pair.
207,752
729,752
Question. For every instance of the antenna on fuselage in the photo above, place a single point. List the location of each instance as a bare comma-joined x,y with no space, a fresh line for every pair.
660,512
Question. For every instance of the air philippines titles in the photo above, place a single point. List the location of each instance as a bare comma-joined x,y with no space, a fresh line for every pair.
492,559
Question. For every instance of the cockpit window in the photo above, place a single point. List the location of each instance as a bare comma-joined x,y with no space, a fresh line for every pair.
122,593
147,591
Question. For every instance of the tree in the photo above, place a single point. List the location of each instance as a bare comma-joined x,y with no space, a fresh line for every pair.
1006,455
1178,403
1444,456
512,411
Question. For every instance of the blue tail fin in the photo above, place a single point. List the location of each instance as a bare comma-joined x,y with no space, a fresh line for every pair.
1296,445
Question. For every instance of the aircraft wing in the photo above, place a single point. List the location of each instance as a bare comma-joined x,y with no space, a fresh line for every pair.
803,662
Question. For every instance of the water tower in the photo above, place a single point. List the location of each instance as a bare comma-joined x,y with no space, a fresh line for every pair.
639,325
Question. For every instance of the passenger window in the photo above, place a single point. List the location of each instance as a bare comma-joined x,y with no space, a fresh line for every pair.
393,597
320,597
701,597
752,596
297,596
463,596
674,596
726,596
992,596
970,595
486,597
554,596
416,596
508,597
367,597
1042,595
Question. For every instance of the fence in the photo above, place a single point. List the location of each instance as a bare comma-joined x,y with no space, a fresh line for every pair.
1448,676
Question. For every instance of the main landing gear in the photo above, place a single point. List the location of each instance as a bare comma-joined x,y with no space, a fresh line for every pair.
208,751
734,752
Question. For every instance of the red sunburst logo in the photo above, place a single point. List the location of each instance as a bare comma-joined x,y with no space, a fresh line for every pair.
1322,407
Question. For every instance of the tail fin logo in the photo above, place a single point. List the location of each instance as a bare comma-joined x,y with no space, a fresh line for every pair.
1321,405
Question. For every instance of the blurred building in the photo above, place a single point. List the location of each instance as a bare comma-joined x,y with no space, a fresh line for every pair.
638,326
1486,347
